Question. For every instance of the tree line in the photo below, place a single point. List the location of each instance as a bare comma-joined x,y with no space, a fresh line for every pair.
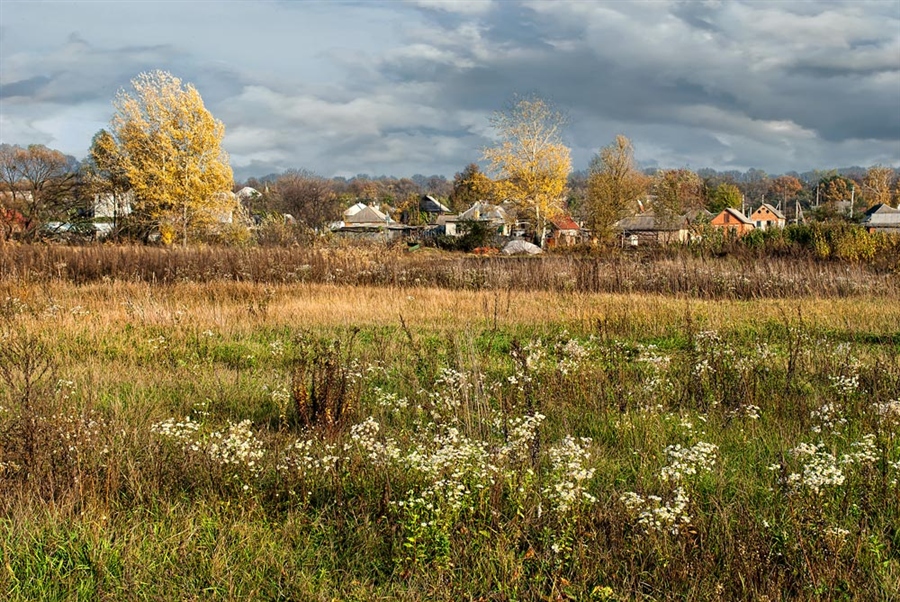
162,152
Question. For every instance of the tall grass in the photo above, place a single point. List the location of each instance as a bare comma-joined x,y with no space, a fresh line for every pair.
744,276
496,444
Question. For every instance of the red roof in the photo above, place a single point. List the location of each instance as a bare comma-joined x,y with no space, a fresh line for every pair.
565,222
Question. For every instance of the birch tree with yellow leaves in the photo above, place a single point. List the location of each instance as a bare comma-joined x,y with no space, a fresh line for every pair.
530,163
170,150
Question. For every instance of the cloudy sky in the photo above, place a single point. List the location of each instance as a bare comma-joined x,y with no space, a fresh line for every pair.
399,88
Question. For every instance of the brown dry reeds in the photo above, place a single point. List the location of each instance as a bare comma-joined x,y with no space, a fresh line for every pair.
686,276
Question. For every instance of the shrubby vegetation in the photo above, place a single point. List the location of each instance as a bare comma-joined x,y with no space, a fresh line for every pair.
238,440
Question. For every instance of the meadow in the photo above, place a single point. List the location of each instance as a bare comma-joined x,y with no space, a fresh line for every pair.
195,425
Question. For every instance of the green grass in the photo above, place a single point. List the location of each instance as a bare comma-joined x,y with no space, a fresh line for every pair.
97,504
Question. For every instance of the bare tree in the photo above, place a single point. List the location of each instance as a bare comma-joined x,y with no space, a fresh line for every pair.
308,197
40,181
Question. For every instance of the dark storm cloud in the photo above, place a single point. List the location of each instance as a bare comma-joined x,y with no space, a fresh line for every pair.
391,87
26,87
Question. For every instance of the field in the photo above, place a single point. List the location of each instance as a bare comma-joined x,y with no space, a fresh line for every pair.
244,427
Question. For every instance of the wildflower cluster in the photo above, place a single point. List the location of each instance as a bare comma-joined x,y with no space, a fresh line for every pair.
569,476
656,368
390,401
309,459
573,355
862,452
820,470
451,390
235,448
182,431
281,397
889,412
522,433
276,348
828,418
380,453
79,436
712,349
688,461
655,514
844,385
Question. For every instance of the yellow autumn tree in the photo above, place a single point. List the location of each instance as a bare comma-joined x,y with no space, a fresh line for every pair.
615,185
530,163
877,185
169,146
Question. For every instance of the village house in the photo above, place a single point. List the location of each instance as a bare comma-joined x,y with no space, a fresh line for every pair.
492,215
882,218
650,229
369,222
564,232
432,207
767,217
733,222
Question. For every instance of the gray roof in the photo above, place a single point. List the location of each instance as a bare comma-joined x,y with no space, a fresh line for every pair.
484,212
648,222
429,204
367,215
882,215
738,216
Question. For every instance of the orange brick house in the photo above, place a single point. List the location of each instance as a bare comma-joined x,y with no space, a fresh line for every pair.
733,222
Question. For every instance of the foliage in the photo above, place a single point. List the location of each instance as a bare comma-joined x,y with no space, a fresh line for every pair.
676,192
309,198
834,189
877,185
614,186
786,188
724,196
169,146
470,186
475,234
40,182
530,161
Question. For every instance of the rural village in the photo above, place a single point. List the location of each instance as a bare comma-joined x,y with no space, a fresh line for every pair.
586,367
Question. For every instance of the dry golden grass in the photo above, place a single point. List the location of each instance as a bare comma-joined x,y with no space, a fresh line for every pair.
241,307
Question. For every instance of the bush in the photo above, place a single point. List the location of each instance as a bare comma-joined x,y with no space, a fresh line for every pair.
475,234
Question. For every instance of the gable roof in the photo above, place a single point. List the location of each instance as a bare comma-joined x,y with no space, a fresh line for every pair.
429,204
564,222
778,214
367,215
484,212
881,208
882,215
354,209
248,193
649,222
737,215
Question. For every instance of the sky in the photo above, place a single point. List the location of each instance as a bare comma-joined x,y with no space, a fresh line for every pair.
408,87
